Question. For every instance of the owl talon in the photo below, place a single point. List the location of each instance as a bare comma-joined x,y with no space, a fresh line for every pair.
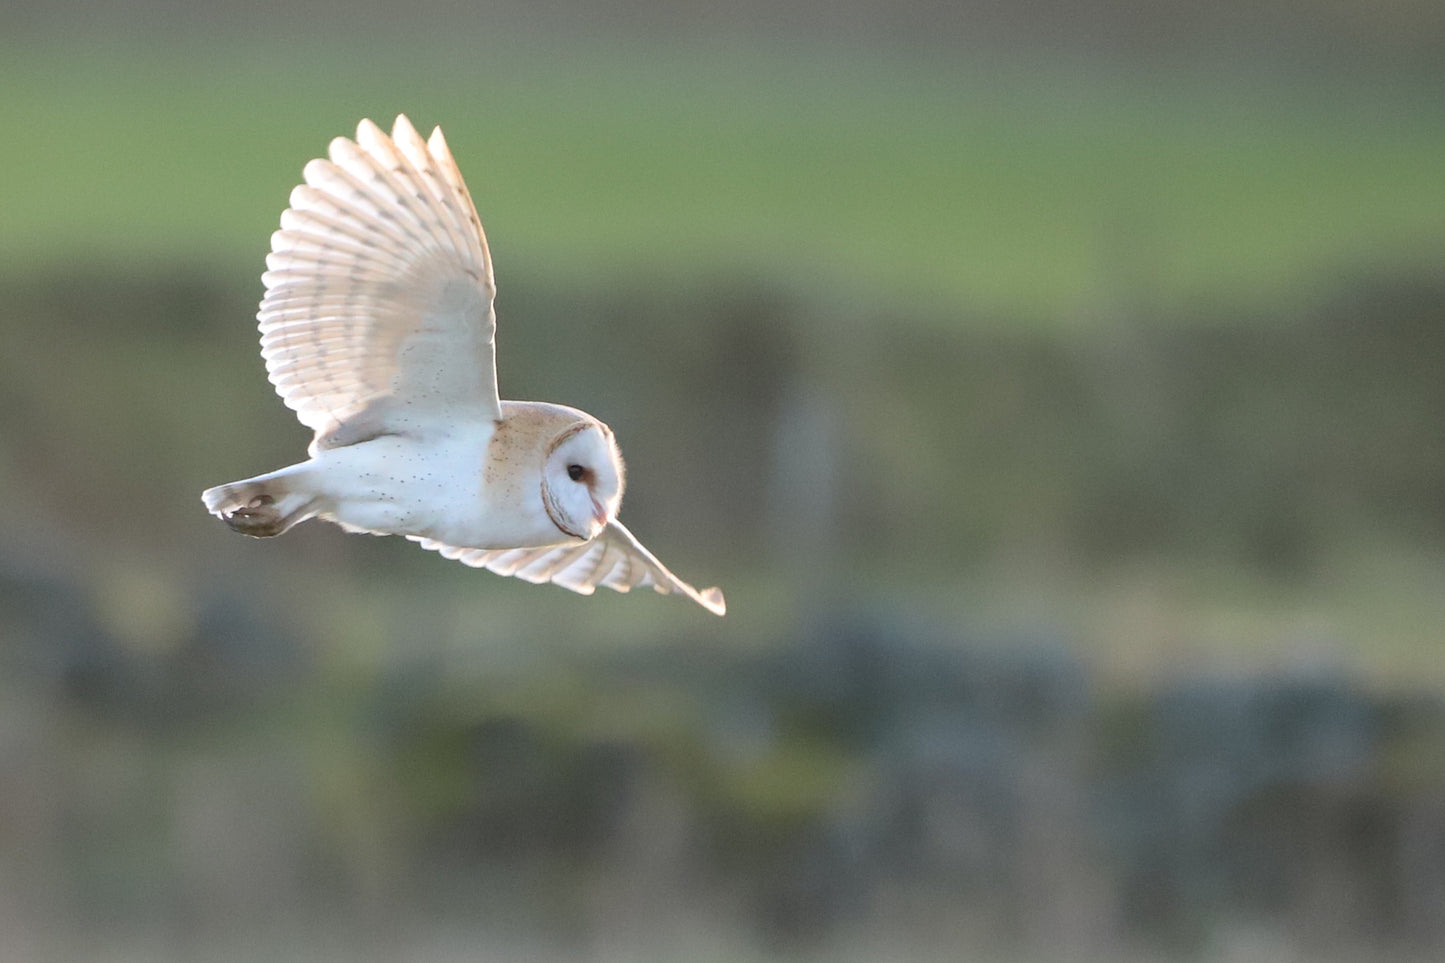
257,519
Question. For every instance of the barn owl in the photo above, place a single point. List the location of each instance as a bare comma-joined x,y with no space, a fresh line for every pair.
377,329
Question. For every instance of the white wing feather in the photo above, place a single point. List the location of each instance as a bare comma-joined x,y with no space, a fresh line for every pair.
379,289
615,559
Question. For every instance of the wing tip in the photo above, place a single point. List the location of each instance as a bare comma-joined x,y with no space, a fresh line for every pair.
319,170
403,127
436,144
342,147
712,600
367,129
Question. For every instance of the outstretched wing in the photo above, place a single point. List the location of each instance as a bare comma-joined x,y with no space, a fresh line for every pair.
379,289
615,559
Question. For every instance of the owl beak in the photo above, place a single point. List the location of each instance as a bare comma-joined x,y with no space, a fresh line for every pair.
599,514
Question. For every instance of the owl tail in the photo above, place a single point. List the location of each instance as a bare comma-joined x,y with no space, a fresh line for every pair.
263,506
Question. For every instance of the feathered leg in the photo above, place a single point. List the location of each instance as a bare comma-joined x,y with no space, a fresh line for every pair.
263,506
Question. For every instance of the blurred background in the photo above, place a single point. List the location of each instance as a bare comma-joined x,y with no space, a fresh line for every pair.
1054,388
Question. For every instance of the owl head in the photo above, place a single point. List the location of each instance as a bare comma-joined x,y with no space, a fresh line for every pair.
582,479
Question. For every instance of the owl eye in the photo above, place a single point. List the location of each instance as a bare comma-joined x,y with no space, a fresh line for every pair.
576,472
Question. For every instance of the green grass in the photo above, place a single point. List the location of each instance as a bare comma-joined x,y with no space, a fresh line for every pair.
997,186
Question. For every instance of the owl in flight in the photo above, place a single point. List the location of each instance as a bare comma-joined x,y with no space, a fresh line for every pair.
377,329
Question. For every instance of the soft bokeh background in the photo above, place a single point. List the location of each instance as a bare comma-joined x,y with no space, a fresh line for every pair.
1055,388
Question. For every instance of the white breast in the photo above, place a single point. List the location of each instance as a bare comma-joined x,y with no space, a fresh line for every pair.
395,484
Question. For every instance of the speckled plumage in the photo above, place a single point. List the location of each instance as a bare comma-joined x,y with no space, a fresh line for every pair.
377,329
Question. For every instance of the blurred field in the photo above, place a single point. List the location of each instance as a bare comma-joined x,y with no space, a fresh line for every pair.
1017,188
1065,430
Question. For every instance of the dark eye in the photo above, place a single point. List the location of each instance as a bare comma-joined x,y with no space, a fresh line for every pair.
576,472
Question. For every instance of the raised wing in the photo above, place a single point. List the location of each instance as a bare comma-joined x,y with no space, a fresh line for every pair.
615,559
379,289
